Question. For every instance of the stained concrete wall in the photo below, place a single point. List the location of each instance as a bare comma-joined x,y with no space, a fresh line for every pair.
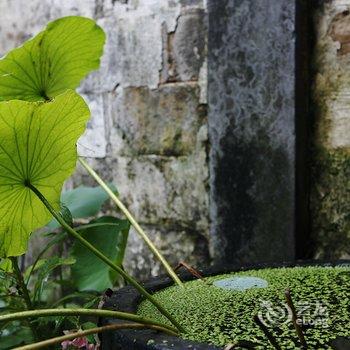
148,132
330,195
251,94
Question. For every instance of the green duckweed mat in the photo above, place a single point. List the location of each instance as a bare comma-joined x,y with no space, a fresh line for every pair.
220,316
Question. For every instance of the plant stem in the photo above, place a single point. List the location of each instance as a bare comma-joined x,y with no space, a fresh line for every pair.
133,222
81,312
105,259
81,295
80,334
57,239
97,224
295,319
25,292
268,334
21,283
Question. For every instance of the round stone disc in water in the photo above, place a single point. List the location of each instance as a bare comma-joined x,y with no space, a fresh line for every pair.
241,283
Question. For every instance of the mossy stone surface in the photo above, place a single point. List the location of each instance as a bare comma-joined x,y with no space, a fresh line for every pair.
217,316
329,155
330,204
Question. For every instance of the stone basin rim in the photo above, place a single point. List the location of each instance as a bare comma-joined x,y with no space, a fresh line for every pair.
127,299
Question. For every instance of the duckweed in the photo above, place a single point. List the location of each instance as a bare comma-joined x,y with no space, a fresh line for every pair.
219,316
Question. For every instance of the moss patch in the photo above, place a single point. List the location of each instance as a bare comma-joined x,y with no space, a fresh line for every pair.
218,316
330,203
330,160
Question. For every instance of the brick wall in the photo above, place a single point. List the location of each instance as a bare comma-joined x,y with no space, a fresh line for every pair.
148,131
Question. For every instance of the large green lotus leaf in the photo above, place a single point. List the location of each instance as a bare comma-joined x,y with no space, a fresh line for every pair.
37,145
53,61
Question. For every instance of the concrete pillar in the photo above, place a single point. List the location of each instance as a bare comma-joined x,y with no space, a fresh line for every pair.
252,129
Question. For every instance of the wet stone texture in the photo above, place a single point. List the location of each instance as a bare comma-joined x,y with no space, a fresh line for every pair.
251,126
330,191
148,131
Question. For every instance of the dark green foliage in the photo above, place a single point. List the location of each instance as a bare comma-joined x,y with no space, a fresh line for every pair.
89,272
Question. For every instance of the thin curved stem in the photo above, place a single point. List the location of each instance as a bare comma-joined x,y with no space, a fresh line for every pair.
97,224
105,259
25,293
133,222
81,312
56,240
21,283
81,295
296,325
80,334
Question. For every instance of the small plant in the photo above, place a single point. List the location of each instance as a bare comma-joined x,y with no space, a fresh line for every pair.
47,282
302,307
41,119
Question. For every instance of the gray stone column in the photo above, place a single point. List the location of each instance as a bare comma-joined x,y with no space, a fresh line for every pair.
251,96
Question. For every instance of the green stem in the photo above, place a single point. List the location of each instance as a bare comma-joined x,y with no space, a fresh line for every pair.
25,293
57,239
80,334
80,295
81,312
21,283
97,224
105,259
133,222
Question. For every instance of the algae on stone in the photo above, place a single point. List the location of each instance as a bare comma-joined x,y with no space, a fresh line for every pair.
330,153
330,204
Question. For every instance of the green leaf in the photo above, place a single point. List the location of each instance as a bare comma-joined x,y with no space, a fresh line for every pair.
66,215
53,61
37,146
83,202
58,238
89,272
45,267
6,265
14,336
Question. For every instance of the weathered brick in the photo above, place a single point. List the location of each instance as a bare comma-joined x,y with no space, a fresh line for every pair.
132,54
176,244
184,48
148,138
189,44
93,142
22,19
193,3
163,121
165,189
164,11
